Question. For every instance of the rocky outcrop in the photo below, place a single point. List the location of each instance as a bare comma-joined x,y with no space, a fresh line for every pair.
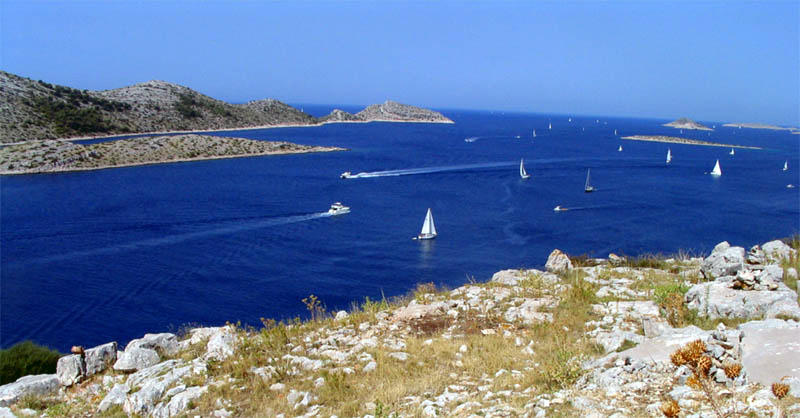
723,261
686,123
38,385
390,111
338,115
558,262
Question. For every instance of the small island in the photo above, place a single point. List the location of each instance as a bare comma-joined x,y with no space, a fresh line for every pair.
687,141
388,111
686,123
50,156
756,126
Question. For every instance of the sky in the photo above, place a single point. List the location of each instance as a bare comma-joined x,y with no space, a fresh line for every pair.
731,61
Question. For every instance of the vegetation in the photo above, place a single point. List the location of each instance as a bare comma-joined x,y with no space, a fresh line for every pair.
26,358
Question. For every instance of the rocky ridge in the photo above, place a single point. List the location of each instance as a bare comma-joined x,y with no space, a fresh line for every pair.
686,123
507,347
37,110
388,111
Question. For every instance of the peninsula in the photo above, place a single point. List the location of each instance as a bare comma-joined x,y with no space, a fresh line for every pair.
687,141
757,126
686,123
55,156
37,110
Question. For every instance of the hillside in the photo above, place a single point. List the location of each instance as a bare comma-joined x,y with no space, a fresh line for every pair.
686,123
37,110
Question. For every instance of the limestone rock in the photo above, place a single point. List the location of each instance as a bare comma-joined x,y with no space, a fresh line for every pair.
100,358
558,262
6,413
723,261
136,358
70,369
531,311
221,345
165,342
116,396
756,255
777,249
40,384
144,401
416,311
179,402
719,300
771,350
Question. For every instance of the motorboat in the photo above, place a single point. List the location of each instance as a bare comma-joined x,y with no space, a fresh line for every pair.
346,175
559,209
338,209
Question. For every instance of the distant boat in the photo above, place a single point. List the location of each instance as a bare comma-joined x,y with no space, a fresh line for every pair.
588,186
534,133
732,152
428,228
549,126
570,119
345,175
559,209
785,165
681,130
620,148
790,186
669,156
522,173
615,132
716,171
338,209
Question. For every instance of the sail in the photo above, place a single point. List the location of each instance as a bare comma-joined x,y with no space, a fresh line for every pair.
732,152
534,133
620,148
549,126
669,155
588,185
785,165
716,171
615,132
522,172
428,228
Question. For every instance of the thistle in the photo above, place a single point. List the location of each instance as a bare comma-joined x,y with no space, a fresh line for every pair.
732,370
780,390
670,409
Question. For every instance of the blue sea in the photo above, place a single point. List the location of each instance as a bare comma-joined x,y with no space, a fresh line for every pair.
109,255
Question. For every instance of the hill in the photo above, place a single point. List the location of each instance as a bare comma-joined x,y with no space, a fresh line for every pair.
686,123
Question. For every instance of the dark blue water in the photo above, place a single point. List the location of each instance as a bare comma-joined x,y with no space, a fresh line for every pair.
91,257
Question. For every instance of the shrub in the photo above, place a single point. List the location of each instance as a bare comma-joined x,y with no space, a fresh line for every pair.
24,359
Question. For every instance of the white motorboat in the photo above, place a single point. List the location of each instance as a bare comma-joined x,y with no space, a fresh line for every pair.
428,228
346,175
717,171
522,173
338,209
559,209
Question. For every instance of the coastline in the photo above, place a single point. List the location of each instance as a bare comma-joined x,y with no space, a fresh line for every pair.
179,160
685,141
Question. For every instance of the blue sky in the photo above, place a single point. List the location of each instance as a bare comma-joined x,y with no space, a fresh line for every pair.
713,60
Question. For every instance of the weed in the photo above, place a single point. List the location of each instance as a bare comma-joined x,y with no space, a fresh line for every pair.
315,307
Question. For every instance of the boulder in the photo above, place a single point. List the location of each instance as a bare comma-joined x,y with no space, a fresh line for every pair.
166,343
221,345
40,385
770,352
530,311
723,261
777,250
136,358
116,396
99,358
179,402
415,310
144,401
756,255
720,300
558,262
70,369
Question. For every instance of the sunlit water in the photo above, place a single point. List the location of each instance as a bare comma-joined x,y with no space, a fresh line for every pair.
91,257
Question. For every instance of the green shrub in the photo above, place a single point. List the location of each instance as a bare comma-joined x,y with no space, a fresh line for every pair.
24,359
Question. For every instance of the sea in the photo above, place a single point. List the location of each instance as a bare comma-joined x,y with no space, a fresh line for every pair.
110,255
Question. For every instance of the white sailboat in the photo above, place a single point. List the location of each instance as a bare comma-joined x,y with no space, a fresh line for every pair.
669,156
732,152
785,165
570,119
534,133
615,132
716,171
522,173
588,186
549,126
620,148
428,228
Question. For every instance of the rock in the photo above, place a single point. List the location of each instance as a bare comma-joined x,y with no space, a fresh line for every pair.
615,260
136,358
179,402
144,401
116,396
791,274
221,345
370,367
777,250
341,315
659,349
719,300
400,356
6,413
40,385
558,262
723,261
165,343
277,387
99,358
416,311
70,369
770,351
529,312
756,255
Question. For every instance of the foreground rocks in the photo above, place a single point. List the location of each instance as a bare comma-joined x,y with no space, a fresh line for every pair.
478,350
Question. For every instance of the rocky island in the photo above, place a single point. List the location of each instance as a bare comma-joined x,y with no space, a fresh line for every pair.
686,123
612,337
757,126
37,110
687,141
55,156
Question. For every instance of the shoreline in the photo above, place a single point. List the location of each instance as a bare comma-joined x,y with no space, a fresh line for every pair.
179,160
248,128
685,141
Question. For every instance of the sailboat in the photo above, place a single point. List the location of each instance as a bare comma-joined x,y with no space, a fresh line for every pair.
669,156
549,126
732,152
588,186
570,119
620,148
522,173
716,171
615,132
428,228
534,133
785,165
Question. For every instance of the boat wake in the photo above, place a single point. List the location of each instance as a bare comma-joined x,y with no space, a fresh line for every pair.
178,238
428,170
476,138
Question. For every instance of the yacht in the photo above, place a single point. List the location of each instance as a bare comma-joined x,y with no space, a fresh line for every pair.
717,171
338,209
732,152
346,175
785,165
588,188
428,228
522,173
620,148
559,209
669,156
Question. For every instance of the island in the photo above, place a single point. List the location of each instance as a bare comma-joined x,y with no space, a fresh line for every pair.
757,126
687,141
49,156
37,110
686,123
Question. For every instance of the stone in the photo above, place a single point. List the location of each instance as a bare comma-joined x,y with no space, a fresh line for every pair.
99,358
221,345
136,358
615,260
399,356
277,387
416,311
165,342
719,300
791,273
771,350
70,369
723,261
341,315
116,396
179,402
144,401
529,312
39,385
6,413
370,367
756,255
777,250
558,262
